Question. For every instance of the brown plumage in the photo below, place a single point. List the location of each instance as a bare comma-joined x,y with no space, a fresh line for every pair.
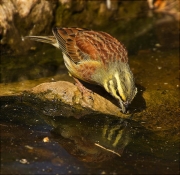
95,57
82,44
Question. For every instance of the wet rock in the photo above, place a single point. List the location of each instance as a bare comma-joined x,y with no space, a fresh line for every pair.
19,16
64,98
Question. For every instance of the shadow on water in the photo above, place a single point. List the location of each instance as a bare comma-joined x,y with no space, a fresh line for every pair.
39,143
139,103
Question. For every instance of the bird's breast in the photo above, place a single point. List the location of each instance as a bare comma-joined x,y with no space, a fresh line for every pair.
83,70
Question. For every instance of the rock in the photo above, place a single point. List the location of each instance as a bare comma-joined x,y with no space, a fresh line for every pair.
64,98
19,16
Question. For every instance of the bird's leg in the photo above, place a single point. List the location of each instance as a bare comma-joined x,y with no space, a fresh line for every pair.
81,87
87,97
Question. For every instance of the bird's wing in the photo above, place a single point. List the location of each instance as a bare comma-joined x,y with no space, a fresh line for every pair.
82,44
66,37
101,47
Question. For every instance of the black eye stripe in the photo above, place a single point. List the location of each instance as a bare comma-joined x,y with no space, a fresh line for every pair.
117,92
113,80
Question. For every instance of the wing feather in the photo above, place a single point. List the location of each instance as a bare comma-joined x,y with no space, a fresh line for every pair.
82,44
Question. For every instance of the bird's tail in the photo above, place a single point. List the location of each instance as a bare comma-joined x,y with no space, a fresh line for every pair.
45,39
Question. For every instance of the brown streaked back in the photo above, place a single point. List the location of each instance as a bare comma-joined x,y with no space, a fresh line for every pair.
82,44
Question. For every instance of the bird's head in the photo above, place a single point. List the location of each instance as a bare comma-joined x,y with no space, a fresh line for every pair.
121,85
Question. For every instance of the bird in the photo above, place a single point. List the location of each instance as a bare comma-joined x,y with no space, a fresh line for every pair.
97,58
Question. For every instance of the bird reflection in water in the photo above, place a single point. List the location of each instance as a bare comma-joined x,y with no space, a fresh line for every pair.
92,138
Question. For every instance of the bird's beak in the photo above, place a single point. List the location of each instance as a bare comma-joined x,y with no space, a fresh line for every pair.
123,106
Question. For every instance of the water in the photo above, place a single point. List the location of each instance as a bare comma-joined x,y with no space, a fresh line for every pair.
71,147
147,143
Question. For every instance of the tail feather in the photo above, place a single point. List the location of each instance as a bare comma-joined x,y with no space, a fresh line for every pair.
45,39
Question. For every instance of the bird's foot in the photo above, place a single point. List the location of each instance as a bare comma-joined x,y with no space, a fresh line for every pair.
86,93
81,87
